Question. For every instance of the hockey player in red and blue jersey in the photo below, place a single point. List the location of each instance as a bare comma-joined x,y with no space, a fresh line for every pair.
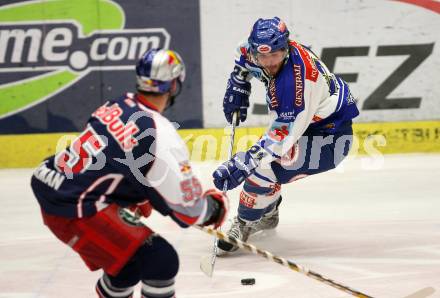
311,113
128,156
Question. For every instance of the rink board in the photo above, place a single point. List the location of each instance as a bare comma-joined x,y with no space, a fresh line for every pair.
17,151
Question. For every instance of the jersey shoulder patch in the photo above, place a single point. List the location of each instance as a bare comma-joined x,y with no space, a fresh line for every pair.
311,69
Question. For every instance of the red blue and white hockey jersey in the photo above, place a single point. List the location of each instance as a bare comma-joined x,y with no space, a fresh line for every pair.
128,153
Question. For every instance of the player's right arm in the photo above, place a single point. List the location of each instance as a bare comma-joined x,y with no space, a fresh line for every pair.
168,180
172,178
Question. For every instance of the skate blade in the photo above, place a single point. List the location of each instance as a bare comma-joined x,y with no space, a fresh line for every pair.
206,265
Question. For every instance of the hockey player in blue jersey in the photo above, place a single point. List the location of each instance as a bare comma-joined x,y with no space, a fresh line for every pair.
128,156
311,113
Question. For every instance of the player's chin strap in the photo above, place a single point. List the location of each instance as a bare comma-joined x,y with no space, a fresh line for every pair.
268,255
174,94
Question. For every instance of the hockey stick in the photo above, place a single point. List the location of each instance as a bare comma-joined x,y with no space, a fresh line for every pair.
284,262
207,263
268,255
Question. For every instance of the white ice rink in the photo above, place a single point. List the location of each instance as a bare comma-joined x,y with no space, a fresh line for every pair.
373,227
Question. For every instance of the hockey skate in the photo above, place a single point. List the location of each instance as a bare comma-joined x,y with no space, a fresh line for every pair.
242,229
269,221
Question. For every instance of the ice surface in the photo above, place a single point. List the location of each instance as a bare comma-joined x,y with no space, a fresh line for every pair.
371,226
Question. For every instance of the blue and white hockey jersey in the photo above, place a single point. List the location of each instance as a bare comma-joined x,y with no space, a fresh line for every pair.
303,95
128,153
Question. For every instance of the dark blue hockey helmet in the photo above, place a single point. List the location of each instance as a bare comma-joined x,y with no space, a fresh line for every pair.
156,70
268,35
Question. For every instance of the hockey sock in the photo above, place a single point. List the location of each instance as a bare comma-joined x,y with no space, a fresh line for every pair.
158,288
106,290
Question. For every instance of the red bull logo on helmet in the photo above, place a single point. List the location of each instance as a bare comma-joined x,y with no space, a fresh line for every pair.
282,26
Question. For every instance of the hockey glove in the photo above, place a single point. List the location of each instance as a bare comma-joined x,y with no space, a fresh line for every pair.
142,209
217,208
236,98
238,168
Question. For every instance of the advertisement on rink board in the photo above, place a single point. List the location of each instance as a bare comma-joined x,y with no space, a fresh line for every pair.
61,59
388,52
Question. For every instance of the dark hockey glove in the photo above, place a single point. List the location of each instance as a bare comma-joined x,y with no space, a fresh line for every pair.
218,207
236,98
238,168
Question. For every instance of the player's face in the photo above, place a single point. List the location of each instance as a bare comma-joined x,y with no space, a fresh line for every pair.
272,62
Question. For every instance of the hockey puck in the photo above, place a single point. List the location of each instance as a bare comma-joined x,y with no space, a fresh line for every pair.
248,281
